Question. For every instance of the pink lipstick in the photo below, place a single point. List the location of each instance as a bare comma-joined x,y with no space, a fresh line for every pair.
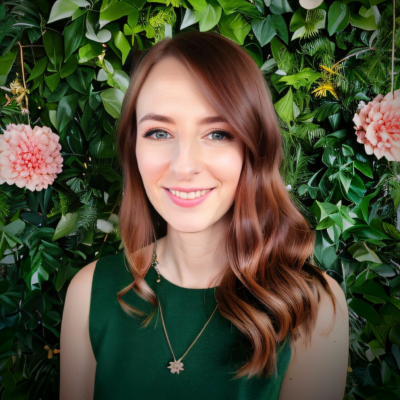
187,202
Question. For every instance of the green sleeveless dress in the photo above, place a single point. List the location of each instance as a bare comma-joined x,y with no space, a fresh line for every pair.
132,360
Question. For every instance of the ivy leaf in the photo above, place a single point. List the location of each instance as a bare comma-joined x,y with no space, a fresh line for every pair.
89,51
65,8
39,68
101,36
284,107
264,29
69,66
73,36
115,11
112,101
189,19
122,44
52,81
280,6
209,17
66,225
338,17
365,310
54,46
6,62
66,110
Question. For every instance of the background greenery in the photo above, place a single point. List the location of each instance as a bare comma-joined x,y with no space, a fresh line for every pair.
319,64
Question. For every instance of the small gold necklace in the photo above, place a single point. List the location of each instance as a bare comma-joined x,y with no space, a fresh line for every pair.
176,365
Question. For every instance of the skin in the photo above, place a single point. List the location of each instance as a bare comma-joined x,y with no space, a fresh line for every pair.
192,253
189,155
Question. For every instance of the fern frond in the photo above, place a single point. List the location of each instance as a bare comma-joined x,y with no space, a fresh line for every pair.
313,22
4,207
87,217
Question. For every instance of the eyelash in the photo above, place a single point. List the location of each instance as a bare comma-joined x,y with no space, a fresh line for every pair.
149,132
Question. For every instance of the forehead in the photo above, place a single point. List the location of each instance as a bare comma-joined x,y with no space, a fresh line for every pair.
170,86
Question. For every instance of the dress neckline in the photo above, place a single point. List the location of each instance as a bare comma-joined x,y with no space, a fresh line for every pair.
177,287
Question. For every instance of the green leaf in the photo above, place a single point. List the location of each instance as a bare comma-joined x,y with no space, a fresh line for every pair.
364,168
89,51
122,44
116,11
120,80
304,78
366,24
73,36
284,107
6,62
281,27
365,310
39,68
66,225
264,29
280,6
394,335
189,19
66,110
69,66
112,100
52,81
65,8
200,5
101,36
338,17
361,252
234,26
54,46
209,17
103,147
133,17
347,150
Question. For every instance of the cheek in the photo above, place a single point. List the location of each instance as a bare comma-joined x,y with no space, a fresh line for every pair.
150,164
226,168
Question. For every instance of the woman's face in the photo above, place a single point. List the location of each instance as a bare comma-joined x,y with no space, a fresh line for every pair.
185,151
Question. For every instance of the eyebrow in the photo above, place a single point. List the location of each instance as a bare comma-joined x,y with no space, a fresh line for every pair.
169,120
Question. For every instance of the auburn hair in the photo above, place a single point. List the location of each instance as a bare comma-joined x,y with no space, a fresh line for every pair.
269,288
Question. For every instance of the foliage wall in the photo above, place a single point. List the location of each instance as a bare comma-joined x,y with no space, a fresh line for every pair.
66,65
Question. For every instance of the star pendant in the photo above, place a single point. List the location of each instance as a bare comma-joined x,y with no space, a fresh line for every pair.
176,366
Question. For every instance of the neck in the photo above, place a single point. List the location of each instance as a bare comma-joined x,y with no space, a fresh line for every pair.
193,260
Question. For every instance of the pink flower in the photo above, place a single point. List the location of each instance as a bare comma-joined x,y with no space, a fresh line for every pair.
378,126
29,157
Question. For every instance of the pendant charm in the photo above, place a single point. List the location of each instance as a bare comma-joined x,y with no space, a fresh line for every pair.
176,366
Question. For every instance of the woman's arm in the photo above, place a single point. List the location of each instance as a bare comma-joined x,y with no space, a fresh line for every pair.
77,362
319,371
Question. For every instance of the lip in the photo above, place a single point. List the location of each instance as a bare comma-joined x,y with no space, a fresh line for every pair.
188,202
187,190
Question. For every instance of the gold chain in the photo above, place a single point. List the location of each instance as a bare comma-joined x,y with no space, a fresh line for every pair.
175,365
162,319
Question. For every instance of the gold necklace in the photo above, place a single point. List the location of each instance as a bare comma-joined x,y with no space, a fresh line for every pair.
176,365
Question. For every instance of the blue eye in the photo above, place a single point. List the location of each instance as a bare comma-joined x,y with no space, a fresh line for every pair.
225,135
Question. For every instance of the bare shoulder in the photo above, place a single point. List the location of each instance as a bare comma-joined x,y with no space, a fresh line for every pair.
84,275
319,370
77,361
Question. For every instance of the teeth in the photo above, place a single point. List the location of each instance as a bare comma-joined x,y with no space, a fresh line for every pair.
190,195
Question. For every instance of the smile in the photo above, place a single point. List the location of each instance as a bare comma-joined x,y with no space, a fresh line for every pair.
189,195
188,199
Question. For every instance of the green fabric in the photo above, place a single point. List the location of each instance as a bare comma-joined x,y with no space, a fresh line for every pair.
132,360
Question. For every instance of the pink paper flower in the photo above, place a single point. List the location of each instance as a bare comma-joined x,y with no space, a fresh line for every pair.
378,126
29,157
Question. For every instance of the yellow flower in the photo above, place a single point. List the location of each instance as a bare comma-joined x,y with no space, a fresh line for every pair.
101,56
331,71
16,87
323,88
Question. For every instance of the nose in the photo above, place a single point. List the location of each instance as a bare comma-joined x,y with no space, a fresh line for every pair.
186,158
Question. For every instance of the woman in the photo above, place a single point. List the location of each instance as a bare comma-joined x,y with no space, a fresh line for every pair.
214,250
